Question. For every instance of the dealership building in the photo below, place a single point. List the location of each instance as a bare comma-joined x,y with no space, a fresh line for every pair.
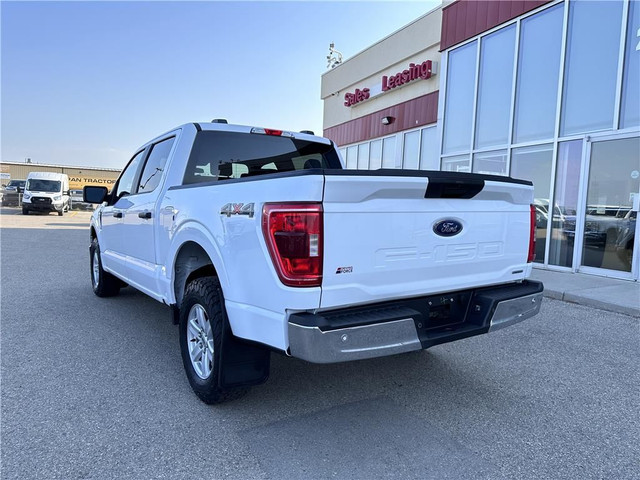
547,91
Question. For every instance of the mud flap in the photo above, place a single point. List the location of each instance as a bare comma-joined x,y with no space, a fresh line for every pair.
242,364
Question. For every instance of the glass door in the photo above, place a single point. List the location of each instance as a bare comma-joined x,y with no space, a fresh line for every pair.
611,209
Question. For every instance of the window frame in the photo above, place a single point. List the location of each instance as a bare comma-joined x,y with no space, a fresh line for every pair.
146,161
136,177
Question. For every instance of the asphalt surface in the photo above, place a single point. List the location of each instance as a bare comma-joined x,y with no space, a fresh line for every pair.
94,388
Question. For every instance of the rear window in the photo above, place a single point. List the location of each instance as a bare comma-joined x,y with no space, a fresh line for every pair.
219,156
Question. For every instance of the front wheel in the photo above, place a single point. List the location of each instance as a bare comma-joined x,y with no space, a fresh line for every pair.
201,325
103,283
25,211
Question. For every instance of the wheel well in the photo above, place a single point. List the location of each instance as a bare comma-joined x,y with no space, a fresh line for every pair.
192,262
92,234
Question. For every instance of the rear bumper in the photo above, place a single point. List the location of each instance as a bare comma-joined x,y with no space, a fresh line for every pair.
407,325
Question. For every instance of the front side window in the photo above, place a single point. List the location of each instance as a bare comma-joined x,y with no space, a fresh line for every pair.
125,183
219,156
154,167
47,186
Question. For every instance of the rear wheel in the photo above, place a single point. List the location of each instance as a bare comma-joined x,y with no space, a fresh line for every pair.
103,283
201,325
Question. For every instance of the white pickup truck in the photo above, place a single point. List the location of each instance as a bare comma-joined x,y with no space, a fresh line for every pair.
260,241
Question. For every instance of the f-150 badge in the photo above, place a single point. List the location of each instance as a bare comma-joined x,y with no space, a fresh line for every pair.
237,209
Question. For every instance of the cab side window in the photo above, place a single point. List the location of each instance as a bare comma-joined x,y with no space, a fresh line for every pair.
125,184
154,167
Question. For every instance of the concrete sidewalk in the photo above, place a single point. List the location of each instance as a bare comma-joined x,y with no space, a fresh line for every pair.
610,294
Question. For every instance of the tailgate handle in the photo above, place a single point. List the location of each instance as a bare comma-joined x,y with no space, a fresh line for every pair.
447,188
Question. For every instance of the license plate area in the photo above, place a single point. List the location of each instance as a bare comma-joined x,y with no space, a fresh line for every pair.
446,312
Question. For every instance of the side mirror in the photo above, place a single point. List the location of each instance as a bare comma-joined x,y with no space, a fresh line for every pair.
94,194
20,189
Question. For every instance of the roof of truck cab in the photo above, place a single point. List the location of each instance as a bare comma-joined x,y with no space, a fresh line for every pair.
229,127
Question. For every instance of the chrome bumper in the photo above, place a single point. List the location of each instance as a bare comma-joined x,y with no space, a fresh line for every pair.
515,311
395,334
353,343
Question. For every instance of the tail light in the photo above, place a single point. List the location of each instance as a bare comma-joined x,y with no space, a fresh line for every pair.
293,233
532,236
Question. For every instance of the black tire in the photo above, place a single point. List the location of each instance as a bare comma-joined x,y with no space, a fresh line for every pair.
61,212
207,293
25,211
106,285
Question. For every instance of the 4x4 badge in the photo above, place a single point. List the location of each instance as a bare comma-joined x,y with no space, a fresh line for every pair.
237,209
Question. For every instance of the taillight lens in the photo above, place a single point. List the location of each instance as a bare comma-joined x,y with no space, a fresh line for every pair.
293,233
532,236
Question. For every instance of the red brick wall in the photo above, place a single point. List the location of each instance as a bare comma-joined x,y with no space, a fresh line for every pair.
411,114
464,19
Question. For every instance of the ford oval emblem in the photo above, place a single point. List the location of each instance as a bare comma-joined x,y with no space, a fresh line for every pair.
447,228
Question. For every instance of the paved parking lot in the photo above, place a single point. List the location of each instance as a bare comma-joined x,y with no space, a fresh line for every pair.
94,388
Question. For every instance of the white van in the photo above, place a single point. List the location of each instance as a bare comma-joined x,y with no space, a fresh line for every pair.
46,192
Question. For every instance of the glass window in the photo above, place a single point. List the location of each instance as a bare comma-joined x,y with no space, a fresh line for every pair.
610,221
538,71
352,157
411,152
429,149
494,88
565,204
363,156
457,163
375,155
630,113
534,164
492,163
125,183
343,156
154,167
389,152
591,66
458,114
218,155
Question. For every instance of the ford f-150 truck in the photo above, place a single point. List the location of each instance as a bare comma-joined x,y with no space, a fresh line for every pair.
259,240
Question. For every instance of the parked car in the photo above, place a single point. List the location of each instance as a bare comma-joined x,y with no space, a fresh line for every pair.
261,241
77,202
626,237
12,192
46,192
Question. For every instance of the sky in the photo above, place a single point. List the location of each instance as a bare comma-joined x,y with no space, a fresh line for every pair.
86,83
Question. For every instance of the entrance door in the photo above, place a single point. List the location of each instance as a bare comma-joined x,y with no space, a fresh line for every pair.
611,210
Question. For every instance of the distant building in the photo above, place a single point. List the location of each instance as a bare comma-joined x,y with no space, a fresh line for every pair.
78,176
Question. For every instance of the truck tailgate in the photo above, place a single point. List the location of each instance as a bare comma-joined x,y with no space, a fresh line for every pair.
381,241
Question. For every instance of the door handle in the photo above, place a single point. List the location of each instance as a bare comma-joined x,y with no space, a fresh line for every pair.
117,214
146,214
